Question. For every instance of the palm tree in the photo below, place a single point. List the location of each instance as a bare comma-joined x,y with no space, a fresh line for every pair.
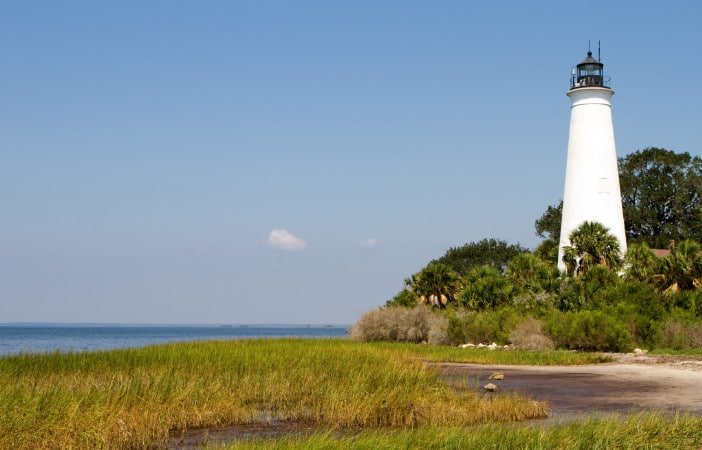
591,244
436,284
682,268
486,288
530,273
641,264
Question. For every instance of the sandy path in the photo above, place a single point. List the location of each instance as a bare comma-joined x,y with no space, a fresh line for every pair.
628,386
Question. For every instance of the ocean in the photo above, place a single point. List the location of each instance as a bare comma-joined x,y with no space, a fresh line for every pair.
46,338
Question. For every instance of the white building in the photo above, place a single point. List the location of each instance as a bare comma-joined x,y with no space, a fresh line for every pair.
592,180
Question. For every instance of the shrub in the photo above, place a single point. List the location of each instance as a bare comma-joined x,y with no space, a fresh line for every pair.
688,300
635,304
679,335
641,296
589,330
529,335
580,293
536,304
483,326
400,324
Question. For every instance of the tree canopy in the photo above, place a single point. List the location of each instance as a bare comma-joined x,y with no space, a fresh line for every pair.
548,226
661,195
661,198
488,252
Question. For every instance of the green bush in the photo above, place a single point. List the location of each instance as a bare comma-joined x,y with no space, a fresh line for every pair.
688,300
482,326
589,330
635,304
581,292
641,296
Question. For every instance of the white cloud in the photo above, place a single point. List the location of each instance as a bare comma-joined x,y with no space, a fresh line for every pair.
285,240
369,243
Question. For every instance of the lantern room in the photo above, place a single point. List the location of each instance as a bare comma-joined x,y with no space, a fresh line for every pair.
589,73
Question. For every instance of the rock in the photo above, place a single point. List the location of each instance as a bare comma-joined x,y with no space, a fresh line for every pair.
468,345
481,345
497,376
492,346
638,351
490,387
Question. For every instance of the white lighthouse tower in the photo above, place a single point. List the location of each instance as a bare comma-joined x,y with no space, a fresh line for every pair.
592,180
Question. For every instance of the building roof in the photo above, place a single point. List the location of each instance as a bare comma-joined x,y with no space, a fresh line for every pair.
590,59
660,252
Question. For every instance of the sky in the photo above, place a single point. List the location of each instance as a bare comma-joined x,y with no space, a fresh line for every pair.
292,162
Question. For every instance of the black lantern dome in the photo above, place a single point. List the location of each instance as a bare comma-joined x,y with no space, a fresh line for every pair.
589,73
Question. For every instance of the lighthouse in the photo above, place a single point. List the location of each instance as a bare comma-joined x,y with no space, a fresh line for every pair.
591,190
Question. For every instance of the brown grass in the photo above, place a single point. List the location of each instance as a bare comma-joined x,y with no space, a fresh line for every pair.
679,335
529,334
399,324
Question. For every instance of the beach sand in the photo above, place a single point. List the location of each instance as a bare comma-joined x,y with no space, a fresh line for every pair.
668,384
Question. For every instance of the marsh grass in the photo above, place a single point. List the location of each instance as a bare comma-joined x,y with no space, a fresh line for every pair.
136,398
639,431
695,353
436,353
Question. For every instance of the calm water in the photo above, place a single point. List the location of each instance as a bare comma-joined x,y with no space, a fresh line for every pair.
15,339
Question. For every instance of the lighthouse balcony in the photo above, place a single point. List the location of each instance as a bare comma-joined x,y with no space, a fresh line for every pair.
590,81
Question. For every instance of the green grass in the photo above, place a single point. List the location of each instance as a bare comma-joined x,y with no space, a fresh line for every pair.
694,352
641,431
137,397
436,353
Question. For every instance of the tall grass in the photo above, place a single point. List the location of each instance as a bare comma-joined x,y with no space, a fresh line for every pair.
640,431
137,397
436,353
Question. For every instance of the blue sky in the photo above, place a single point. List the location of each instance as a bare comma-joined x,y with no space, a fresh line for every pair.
149,149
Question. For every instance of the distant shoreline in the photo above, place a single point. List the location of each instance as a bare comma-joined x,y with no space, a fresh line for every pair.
168,325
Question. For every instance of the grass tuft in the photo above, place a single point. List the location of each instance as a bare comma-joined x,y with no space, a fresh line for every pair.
436,353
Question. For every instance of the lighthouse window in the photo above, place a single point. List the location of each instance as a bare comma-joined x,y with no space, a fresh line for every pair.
590,72
603,186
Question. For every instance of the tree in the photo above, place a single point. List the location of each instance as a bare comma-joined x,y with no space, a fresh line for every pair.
490,252
682,268
548,226
661,196
436,284
528,272
641,264
591,244
547,250
405,298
